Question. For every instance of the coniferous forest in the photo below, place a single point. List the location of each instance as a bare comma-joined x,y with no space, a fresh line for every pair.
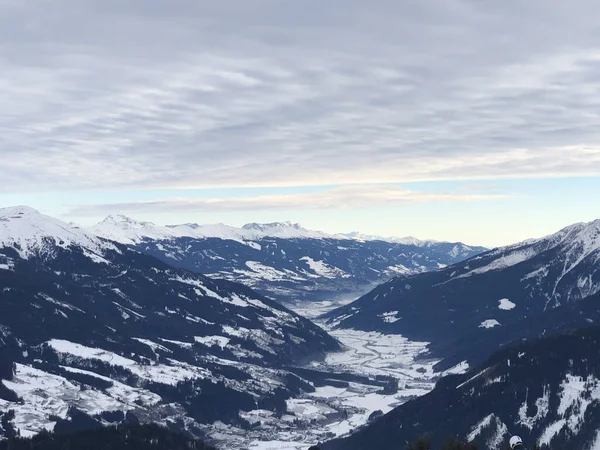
122,437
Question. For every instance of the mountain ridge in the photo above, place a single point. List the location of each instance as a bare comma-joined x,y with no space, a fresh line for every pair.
470,297
547,391
282,260
116,227
100,327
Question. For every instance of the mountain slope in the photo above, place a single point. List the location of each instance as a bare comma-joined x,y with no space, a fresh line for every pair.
283,260
546,391
123,437
141,336
467,310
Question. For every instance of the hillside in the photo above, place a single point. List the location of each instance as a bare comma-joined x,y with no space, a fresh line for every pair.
546,391
97,326
471,308
122,437
283,260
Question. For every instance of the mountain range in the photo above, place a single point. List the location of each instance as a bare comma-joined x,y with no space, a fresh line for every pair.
283,260
117,324
89,326
472,308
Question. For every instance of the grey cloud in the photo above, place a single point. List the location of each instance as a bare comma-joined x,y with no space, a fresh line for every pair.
338,198
154,94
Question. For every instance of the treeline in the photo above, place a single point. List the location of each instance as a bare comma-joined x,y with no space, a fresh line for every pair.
121,437
454,444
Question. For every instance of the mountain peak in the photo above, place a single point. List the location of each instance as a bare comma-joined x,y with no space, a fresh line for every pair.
125,220
29,232
18,211
267,226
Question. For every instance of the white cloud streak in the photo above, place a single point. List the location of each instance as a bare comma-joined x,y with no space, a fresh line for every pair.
346,197
106,94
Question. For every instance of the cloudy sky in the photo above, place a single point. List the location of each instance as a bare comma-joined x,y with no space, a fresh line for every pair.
472,120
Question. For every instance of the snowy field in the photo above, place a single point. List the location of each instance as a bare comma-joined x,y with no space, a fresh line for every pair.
334,410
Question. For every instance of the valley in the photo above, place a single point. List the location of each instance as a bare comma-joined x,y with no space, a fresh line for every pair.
337,406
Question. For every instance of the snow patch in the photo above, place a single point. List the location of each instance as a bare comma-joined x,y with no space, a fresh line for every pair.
543,407
210,341
390,317
324,270
506,305
490,323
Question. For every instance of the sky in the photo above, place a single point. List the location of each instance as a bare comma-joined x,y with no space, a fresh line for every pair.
459,120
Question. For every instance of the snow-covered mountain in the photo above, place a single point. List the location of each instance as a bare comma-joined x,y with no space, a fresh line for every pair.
98,327
409,240
126,230
546,391
283,260
467,310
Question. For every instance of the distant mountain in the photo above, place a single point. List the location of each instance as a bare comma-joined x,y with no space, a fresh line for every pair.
129,231
97,327
471,308
283,260
398,240
546,391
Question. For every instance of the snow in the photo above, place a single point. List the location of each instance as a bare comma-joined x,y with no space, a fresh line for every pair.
596,444
59,303
408,240
551,431
324,270
472,378
481,425
122,392
185,345
267,273
495,442
210,341
542,409
30,232
401,269
512,258
308,409
160,373
130,231
45,394
454,252
81,351
203,291
276,445
153,345
321,413
7,263
506,305
490,323
460,368
576,396
374,353
390,317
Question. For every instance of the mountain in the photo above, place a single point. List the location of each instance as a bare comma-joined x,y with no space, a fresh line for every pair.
283,260
89,326
122,437
129,231
471,308
409,240
546,391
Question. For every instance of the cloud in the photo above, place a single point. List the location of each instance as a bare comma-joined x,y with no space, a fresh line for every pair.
344,197
105,94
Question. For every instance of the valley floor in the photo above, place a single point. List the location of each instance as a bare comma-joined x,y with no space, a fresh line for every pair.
333,410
